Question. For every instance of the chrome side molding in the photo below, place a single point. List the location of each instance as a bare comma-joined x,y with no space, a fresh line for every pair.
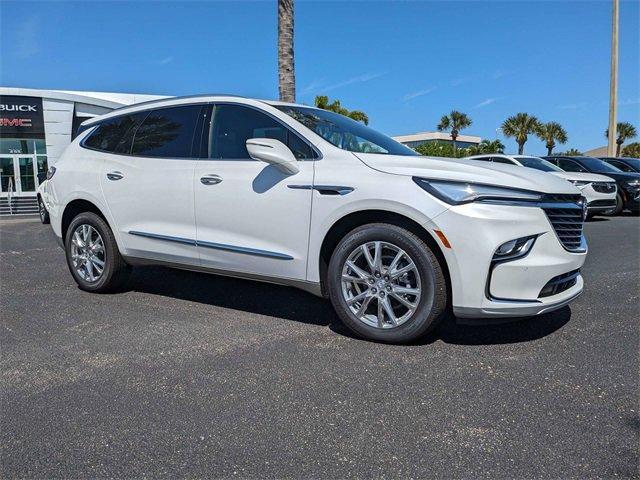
217,246
325,189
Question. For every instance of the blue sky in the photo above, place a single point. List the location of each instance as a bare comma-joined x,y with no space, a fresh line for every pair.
403,63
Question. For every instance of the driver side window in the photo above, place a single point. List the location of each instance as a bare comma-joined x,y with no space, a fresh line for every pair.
233,125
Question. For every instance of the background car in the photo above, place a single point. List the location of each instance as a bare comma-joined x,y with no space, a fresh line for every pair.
626,164
628,182
599,190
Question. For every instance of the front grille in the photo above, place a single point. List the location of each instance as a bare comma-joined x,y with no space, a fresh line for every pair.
604,187
566,219
559,284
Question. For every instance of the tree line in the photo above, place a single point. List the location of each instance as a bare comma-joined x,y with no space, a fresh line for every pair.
519,127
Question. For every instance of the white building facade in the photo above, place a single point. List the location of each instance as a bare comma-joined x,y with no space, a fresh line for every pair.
37,125
416,139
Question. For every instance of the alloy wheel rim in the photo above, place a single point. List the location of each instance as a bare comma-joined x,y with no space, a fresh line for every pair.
381,284
87,253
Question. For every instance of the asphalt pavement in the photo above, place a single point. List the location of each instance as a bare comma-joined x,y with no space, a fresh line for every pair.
188,374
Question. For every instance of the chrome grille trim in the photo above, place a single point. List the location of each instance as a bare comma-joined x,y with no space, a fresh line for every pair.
566,215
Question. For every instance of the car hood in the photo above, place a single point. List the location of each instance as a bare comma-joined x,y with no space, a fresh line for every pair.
586,177
468,171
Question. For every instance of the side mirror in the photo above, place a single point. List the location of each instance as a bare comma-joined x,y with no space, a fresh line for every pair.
273,152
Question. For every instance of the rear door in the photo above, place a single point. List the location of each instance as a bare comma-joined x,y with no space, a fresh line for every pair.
249,218
148,184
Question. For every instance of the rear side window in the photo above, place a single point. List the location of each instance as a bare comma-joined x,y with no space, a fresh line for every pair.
167,132
111,135
233,125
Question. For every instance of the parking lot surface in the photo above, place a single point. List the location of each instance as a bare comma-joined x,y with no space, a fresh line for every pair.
187,374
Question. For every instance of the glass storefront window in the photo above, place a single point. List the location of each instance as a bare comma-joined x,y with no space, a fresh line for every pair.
22,146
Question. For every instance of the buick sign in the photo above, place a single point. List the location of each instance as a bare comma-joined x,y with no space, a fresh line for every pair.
21,117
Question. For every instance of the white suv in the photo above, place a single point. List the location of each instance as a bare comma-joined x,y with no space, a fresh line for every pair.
294,195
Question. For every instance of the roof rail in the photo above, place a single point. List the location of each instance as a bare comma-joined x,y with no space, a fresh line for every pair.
158,100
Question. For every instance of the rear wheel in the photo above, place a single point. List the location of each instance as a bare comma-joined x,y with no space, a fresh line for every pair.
92,254
386,284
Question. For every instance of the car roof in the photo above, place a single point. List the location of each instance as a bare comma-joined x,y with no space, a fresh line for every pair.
184,100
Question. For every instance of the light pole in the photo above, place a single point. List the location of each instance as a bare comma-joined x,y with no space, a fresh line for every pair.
613,87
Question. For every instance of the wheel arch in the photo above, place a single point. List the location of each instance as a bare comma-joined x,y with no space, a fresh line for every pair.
76,207
363,217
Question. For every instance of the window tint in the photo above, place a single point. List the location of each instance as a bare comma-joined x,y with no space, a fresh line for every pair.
621,166
344,132
233,125
167,132
570,166
538,164
482,159
111,135
502,160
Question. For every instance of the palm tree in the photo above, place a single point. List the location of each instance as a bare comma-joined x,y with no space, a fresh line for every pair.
572,152
322,101
454,122
520,126
495,146
286,71
486,146
625,131
551,132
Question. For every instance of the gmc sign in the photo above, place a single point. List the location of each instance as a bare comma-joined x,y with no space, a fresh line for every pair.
21,117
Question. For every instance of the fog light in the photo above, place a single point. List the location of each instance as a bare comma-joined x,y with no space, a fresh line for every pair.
514,248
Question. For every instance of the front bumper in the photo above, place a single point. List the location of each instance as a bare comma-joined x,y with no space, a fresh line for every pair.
483,288
598,202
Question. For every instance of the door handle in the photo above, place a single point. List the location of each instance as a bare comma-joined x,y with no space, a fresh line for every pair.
115,175
210,180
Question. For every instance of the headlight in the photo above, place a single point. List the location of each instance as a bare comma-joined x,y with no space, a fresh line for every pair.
456,193
580,183
51,172
633,184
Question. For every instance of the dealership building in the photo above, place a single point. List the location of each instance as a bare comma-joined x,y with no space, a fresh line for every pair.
414,140
35,128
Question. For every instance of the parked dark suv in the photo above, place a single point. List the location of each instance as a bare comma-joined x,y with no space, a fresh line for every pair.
626,164
628,182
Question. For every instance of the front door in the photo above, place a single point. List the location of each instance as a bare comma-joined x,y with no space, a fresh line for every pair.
18,174
248,218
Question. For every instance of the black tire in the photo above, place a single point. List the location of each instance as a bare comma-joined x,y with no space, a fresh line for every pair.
42,211
430,308
116,271
619,205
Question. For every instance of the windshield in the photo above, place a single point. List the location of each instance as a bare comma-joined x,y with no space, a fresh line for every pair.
345,133
596,165
538,164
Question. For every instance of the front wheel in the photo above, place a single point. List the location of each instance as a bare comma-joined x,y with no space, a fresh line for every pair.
386,284
619,205
42,211
92,254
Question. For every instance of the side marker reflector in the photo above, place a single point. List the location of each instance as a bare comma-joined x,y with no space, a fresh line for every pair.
442,238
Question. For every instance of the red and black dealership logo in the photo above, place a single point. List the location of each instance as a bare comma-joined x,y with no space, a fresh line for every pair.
21,117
